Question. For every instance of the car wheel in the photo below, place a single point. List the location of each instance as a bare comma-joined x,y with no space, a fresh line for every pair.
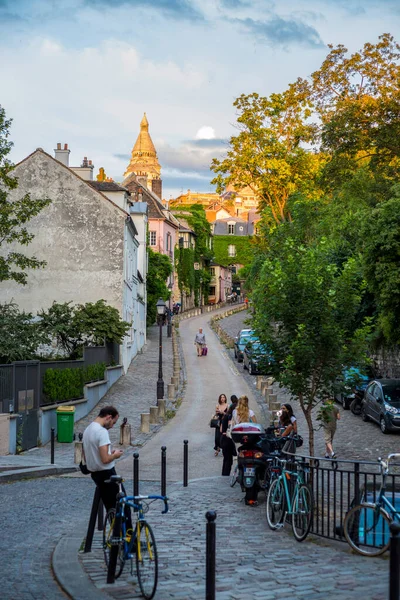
235,354
364,415
250,368
383,425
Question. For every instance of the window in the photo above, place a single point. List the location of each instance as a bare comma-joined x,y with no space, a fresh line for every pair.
153,238
212,291
231,228
231,250
212,271
169,244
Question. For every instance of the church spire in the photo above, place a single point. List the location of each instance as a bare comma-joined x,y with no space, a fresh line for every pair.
144,161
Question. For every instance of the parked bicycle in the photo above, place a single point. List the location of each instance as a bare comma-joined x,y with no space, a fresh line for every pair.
366,526
297,502
138,542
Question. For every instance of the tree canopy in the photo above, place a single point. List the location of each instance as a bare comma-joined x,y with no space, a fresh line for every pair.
14,215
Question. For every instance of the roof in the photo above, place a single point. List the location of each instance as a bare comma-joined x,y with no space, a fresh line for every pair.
156,209
121,210
107,186
144,143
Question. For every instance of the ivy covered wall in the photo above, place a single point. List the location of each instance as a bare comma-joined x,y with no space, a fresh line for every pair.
243,246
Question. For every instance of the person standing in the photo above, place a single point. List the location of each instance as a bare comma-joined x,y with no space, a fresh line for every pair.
330,415
227,444
242,413
220,410
99,457
200,341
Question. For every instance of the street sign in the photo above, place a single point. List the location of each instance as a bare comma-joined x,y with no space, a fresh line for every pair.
196,266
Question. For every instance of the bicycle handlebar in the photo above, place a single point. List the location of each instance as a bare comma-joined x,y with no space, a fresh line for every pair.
385,463
138,498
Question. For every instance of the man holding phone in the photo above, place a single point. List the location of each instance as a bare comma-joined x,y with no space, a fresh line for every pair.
100,459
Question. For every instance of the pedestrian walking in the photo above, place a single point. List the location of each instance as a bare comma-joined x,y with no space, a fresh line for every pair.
220,410
200,341
99,457
330,415
227,444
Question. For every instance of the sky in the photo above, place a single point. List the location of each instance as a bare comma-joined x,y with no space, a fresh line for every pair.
83,72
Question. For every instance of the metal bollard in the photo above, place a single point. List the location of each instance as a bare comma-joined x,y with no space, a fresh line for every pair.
185,463
52,446
136,474
92,520
394,574
163,471
100,516
211,515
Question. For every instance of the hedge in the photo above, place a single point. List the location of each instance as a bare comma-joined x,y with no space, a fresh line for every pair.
67,384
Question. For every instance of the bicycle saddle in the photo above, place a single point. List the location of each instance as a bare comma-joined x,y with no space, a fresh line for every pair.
114,479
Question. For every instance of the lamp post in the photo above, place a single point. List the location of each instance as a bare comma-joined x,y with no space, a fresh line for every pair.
169,325
160,382
201,283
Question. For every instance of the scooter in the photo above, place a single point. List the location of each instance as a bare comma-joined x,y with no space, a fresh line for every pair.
255,464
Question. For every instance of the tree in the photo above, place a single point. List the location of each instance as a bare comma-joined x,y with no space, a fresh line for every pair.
20,335
306,312
14,215
357,98
84,324
160,269
269,154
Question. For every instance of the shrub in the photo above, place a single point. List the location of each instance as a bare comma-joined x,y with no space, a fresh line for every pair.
67,384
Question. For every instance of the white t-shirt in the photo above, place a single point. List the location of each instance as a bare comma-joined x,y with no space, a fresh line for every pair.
235,418
95,436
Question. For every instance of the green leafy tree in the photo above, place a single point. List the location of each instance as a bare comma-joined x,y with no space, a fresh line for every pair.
269,153
306,312
74,326
20,335
160,269
14,215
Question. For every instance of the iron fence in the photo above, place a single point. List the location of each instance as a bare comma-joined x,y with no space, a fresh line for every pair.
339,485
6,387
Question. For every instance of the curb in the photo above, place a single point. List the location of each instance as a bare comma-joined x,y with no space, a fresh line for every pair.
35,473
69,573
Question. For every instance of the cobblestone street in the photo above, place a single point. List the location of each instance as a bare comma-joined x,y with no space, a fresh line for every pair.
252,560
354,439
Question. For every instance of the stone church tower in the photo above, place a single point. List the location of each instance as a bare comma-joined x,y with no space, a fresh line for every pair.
144,162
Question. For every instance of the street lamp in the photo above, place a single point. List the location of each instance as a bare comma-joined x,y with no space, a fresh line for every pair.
201,283
160,382
169,325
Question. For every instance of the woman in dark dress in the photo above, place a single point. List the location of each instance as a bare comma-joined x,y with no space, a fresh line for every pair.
227,444
220,410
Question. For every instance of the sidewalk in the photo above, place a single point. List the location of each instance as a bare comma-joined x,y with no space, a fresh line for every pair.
132,395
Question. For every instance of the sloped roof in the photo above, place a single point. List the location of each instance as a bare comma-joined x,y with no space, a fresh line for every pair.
156,209
121,210
107,186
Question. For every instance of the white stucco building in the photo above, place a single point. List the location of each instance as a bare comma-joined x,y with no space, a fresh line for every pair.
88,239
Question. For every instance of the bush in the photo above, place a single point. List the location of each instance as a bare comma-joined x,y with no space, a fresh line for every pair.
67,384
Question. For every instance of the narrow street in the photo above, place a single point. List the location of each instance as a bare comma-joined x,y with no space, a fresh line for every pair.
252,561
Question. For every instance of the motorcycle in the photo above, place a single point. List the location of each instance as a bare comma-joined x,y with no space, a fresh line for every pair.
255,460
355,405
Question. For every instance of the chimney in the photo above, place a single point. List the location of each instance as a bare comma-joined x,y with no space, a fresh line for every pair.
142,179
62,154
85,170
156,186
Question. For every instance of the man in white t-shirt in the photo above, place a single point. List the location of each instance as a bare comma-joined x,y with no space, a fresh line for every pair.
100,459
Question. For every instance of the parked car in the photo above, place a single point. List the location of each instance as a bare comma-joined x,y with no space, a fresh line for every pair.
353,384
240,342
256,357
381,403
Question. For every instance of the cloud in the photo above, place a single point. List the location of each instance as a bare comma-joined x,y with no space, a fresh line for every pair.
205,133
282,32
176,9
235,3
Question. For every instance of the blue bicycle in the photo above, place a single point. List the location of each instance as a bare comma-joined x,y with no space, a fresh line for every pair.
366,526
138,541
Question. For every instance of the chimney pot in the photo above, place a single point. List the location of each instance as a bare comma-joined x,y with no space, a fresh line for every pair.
58,146
65,146
90,162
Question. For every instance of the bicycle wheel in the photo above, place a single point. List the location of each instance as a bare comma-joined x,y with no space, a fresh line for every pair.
234,476
107,537
366,529
276,504
146,560
303,505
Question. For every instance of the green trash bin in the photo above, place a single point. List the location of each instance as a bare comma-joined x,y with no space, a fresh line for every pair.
65,423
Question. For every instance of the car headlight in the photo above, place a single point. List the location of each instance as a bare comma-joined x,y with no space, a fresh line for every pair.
390,409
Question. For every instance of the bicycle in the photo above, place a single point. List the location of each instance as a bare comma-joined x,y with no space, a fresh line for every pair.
366,526
139,542
299,505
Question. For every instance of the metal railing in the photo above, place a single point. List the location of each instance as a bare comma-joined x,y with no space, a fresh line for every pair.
339,485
